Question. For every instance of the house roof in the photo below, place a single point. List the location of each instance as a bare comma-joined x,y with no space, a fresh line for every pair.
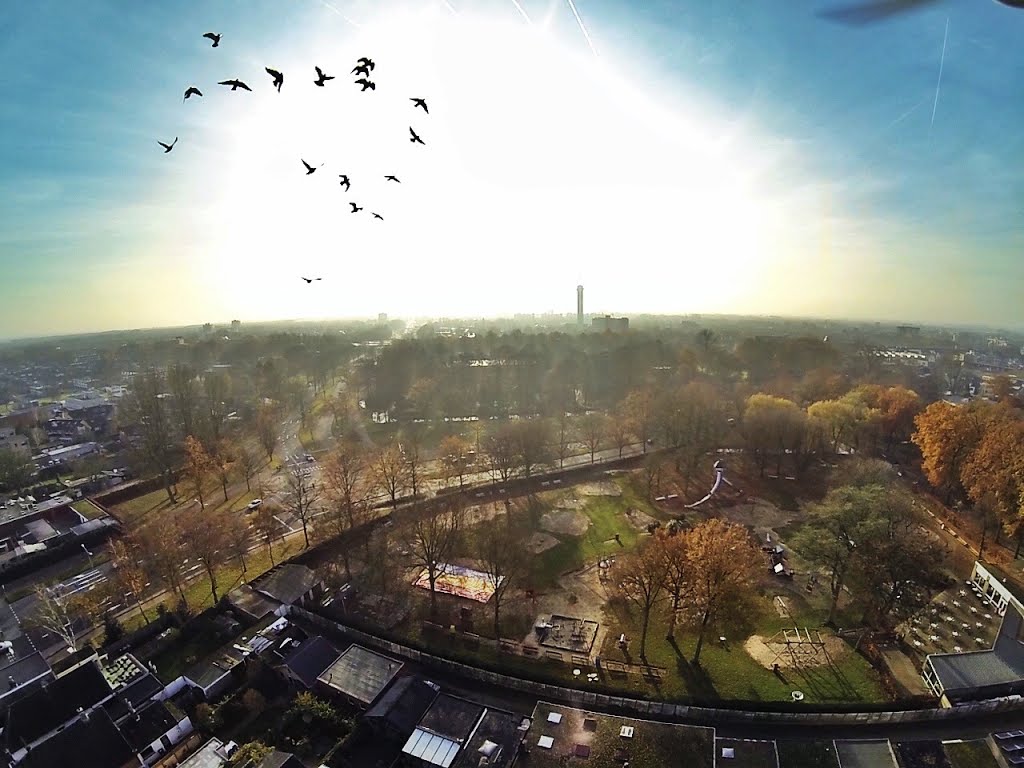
52,705
499,728
92,743
287,583
452,717
278,759
210,755
208,671
136,694
360,674
148,725
431,748
250,602
310,659
978,669
403,704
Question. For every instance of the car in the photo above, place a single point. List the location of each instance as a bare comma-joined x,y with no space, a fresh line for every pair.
310,457
254,504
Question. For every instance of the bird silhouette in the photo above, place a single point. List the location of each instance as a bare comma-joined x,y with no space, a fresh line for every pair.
310,169
420,103
278,78
366,84
378,216
321,78
365,62
392,178
235,85
344,181
355,208
311,279
168,147
214,37
361,69
192,91
415,138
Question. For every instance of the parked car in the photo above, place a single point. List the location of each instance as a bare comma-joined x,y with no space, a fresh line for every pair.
254,504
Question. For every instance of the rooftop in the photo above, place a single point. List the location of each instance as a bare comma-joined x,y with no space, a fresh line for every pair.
403,704
451,717
1008,579
497,736
287,583
360,674
250,602
310,659
92,743
210,755
746,753
974,670
608,741
865,754
148,725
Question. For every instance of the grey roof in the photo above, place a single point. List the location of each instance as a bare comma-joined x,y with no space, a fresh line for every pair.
207,756
208,671
498,727
250,602
974,670
360,674
287,583
452,717
145,727
403,704
310,659
865,754
50,707
96,743
278,759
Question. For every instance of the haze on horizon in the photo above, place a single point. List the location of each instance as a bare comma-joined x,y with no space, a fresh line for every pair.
697,159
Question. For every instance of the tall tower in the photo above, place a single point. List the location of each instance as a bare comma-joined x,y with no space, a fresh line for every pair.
579,305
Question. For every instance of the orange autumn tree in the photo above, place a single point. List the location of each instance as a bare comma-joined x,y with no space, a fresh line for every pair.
994,472
198,465
946,435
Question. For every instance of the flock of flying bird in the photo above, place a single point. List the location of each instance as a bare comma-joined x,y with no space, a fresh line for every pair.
363,69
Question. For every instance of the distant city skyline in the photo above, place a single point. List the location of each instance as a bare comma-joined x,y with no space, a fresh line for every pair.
697,158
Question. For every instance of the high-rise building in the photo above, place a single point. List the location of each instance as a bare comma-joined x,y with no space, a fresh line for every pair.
609,323
579,305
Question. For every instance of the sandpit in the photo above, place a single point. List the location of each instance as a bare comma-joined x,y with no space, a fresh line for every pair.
764,652
567,522
603,488
481,513
540,542
639,519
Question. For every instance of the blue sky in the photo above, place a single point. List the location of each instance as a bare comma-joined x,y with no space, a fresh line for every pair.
835,192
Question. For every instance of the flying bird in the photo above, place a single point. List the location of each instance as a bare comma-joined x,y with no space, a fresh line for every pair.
344,181
365,62
366,84
321,78
168,147
392,178
235,85
311,279
278,78
355,208
309,168
214,37
420,103
361,69
415,138
378,216
192,91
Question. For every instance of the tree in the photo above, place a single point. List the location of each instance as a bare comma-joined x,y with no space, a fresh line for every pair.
696,420
250,755
222,462
833,532
160,544
671,548
248,462
455,458
563,438
641,578
298,393
145,406
390,472
947,434
344,478
207,539
15,470
501,450
993,474
594,431
898,406
410,443
301,494
499,547
181,380
267,527
771,425
638,407
125,556
532,443
268,428
198,465
839,418
216,389
431,541
722,567
620,429
58,613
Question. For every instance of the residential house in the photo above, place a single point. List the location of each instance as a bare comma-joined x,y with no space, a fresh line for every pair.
10,440
359,676
458,733
307,661
395,714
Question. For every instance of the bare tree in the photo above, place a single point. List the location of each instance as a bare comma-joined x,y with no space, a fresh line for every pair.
641,577
594,431
344,477
268,428
533,443
502,454
248,462
216,390
223,461
145,406
620,429
638,407
57,613
301,495
455,458
160,544
267,527
390,472
563,435
181,380
410,444
125,556
207,540
672,549
499,546
431,541
198,465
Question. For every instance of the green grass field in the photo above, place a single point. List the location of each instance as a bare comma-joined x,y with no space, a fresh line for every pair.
87,509
807,754
138,511
970,754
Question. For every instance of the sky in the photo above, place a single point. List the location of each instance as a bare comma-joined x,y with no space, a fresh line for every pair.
686,156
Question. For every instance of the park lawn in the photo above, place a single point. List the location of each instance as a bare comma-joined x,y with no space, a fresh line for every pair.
970,754
807,754
607,518
729,672
136,512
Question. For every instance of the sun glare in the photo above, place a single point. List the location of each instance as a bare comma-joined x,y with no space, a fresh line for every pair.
538,156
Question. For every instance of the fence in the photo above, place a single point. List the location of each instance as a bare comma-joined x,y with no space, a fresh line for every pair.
658,710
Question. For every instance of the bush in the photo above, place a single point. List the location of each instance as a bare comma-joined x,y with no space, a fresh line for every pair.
112,629
207,717
253,701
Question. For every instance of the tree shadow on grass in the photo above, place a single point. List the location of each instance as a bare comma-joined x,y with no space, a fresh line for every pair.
698,683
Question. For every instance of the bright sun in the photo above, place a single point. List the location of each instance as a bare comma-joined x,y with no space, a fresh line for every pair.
538,157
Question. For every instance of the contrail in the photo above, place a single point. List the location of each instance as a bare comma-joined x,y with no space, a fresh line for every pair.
330,7
908,113
449,7
942,61
583,29
520,9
